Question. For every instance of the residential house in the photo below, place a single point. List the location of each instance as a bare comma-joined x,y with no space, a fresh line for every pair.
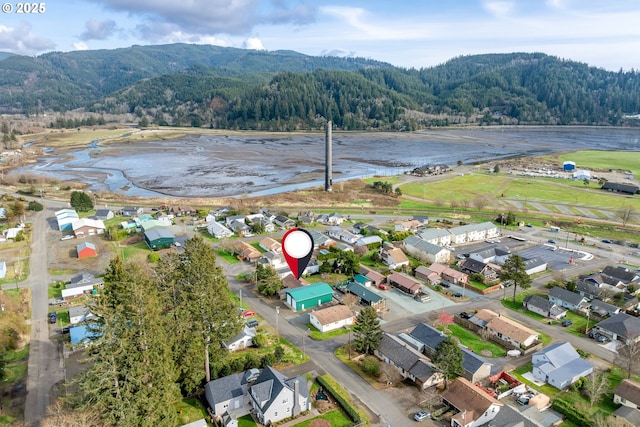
330,219
603,309
229,394
307,297
474,232
393,257
474,405
605,283
332,318
426,251
218,230
423,220
408,362
620,327
80,314
86,250
627,394
559,365
543,307
567,299
363,280
366,296
435,236
130,211
376,277
346,236
588,289
504,328
494,254
12,233
411,226
66,217
81,285
449,274
242,340
284,222
246,252
321,241
240,227
87,227
271,245
475,368
623,274
290,282
274,397
404,283
369,241
180,210
471,266
103,214
81,335
426,274
148,224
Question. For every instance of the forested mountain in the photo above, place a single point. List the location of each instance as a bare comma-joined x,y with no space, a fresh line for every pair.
194,85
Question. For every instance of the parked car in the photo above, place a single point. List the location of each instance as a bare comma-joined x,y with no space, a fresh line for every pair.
602,338
248,313
523,399
383,286
466,315
606,241
567,322
593,334
422,415
457,295
445,284
252,323
53,317
553,242
67,237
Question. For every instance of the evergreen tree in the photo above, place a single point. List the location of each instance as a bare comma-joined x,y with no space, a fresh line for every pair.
448,358
367,331
81,201
132,373
268,281
514,270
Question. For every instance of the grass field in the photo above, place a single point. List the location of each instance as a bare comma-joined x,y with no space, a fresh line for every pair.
475,342
594,159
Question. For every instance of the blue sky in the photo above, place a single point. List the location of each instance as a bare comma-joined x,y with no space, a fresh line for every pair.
406,33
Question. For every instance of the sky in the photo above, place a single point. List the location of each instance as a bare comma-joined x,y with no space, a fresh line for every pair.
405,33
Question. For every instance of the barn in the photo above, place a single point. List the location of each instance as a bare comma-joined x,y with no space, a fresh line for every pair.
158,238
310,296
86,250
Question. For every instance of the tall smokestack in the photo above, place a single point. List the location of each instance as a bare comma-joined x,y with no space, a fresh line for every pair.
328,172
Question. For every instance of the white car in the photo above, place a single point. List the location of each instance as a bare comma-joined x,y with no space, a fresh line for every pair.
67,237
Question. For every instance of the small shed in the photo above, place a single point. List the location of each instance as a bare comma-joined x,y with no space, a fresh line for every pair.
86,250
569,165
310,296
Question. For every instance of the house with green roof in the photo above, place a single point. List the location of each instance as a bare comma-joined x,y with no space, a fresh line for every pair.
310,296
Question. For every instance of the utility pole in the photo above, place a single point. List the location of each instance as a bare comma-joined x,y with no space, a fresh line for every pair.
277,330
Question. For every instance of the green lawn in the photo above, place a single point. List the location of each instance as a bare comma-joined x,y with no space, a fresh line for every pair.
475,342
595,159
321,336
190,410
55,289
227,256
246,421
336,417
130,250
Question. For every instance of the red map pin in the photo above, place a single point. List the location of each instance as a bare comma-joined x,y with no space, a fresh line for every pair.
297,247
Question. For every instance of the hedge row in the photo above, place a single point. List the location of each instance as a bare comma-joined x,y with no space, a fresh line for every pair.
569,410
336,391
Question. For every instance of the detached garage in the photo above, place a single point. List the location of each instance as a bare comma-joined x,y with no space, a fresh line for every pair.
158,238
310,296
86,250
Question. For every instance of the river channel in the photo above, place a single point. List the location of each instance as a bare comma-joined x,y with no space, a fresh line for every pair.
257,164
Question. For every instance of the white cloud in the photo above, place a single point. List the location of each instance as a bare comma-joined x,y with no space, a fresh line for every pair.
498,8
253,43
96,29
19,39
80,46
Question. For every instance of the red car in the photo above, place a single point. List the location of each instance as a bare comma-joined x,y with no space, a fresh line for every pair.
248,313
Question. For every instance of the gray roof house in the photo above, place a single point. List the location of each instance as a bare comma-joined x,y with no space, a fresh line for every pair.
242,340
275,397
227,394
621,273
474,232
425,251
621,327
436,236
543,307
567,299
627,394
475,368
408,362
604,309
559,365
588,289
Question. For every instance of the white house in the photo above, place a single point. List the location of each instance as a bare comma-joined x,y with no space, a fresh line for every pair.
474,232
436,236
274,397
332,318
241,341
426,251
218,230
559,365
393,257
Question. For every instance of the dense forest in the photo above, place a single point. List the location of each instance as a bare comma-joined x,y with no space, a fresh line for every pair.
192,85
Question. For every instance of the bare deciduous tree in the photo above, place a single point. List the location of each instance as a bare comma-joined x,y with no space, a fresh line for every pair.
596,387
628,357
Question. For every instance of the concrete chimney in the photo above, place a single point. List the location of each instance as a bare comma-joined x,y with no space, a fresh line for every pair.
328,171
